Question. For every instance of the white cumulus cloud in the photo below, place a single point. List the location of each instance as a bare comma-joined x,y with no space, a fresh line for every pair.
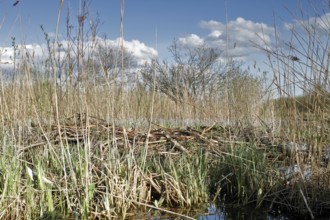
140,52
9,54
237,37
191,40
215,34
319,24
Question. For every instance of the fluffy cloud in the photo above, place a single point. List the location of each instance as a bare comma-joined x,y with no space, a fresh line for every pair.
140,52
191,40
215,34
320,24
33,51
238,37
6,56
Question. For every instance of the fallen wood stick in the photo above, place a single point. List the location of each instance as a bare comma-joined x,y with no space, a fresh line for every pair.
176,144
30,147
208,129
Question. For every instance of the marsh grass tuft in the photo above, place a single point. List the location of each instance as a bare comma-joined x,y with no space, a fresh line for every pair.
243,174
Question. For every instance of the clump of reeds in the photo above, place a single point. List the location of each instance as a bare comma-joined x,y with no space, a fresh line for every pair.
244,174
300,68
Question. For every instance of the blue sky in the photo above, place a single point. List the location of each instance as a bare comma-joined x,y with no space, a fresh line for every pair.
172,18
192,21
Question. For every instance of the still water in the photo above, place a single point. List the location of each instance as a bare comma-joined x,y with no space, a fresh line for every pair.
239,214
222,213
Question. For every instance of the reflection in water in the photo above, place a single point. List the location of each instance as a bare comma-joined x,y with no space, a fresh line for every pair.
210,213
217,213
224,213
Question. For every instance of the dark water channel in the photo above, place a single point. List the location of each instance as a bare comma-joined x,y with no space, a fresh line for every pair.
222,213
210,213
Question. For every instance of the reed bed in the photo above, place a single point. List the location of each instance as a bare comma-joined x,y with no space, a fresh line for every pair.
50,174
84,138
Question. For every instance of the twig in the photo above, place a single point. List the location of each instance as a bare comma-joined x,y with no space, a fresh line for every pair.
305,200
176,144
179,146
30,147
208,129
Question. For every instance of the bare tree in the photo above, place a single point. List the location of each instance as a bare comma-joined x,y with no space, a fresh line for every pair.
192,75
108,61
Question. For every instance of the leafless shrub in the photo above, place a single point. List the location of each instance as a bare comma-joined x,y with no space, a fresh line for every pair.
107,61
192,75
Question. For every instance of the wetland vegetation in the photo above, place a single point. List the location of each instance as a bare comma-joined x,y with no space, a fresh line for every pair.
90,137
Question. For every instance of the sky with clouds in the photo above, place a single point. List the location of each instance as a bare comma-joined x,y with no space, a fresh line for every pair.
150,26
